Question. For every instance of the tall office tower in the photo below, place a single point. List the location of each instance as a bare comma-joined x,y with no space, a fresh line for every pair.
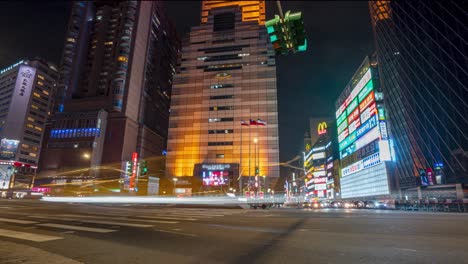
227,77
116,77
423,55
27,88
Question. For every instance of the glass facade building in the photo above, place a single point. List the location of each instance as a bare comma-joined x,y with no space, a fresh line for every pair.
227,78
423,57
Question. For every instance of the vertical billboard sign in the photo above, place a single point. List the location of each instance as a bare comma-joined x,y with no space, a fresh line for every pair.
134,170
19,102
153,185
8,149
6,171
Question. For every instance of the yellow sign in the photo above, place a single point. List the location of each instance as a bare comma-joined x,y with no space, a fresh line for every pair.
322,128
307,147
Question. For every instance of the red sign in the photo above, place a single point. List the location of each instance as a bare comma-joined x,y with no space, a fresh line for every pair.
134,169
430,176
320,180
367,101
247,194
353,115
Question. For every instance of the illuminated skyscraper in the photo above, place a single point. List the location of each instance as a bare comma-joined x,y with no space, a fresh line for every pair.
116,77
27,89
422,55
227,76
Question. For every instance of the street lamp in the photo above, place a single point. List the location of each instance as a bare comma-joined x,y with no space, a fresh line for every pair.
86,156
175,181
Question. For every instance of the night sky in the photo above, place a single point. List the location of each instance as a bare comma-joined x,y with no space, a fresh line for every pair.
339,36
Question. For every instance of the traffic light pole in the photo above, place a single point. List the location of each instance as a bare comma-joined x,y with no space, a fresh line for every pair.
280,9
278,3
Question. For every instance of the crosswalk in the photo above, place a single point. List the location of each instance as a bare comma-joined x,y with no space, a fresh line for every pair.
45,226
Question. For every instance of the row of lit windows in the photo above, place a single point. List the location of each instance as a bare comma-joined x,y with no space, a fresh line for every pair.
221,131
77,132
224,119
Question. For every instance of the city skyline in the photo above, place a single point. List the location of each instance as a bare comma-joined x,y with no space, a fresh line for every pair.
329,40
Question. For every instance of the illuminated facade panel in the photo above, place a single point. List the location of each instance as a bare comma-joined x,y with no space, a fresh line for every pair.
251,10
364,147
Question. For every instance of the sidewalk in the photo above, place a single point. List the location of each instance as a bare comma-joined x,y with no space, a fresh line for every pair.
18,253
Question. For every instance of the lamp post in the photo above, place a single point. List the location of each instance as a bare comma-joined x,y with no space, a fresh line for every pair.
255,162
264,182
175,181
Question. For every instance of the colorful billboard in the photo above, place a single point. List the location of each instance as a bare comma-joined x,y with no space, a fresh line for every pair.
8,148
361,125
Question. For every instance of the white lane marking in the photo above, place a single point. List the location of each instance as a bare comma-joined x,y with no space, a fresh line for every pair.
53,218
16,221
27,236
79,228
114,223
193,215
406,249
172,232
168,218
119,218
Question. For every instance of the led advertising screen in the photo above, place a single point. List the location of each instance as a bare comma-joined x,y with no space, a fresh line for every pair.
215,178
8,149
357,117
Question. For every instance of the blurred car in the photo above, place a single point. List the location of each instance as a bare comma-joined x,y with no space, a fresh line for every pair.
336,204
306,204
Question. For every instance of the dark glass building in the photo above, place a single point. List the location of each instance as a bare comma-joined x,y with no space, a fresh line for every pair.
115,85
423,63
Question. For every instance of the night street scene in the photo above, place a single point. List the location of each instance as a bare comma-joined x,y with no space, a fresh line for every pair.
234,132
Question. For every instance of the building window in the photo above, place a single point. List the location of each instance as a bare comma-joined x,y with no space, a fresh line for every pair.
40,77
220,86
224,119
216,97
122,59
221,131
219,156
224,21
222,143
220,108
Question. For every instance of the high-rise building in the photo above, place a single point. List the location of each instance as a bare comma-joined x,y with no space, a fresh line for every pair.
114,93
27,88
363,141
318,164
224,120
422,55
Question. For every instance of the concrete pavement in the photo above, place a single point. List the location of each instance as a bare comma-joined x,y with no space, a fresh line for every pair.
150,234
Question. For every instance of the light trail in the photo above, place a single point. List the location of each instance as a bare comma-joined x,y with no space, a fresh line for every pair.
161,200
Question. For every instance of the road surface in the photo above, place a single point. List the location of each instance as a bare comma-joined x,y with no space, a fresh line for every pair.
38,232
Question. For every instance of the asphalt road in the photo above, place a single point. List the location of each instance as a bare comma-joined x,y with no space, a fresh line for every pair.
39,232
